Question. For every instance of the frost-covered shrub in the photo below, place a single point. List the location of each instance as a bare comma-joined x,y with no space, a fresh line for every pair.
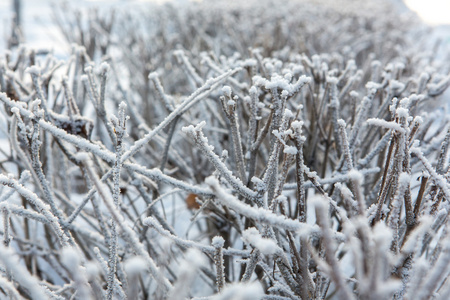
230,152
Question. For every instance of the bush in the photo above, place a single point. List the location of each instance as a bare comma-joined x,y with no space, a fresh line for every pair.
227,151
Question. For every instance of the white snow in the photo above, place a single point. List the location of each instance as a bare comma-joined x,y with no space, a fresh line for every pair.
265,245
290,150
227,91
386,124
33,70
70,258
218,242
135,265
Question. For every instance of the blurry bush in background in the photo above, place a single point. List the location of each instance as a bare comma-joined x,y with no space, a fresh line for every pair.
272,151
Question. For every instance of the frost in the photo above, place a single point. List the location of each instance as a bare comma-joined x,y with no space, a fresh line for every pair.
134,265
329,178
226,91
249,63
21,274
396,85
418,120
92,269
104,67
153,75
372,85
356,175
354,94
218,242
33,70
279,82
259,184
15,110
241,291
192,129
231,103
319,202
82,156
288,114
345,191
290,150
385,124
332,80
402,112
341,122
88,69
382,236
404,179
435,89
84,77
254,238
297,125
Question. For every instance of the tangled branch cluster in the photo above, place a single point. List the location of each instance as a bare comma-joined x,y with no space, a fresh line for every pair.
225,151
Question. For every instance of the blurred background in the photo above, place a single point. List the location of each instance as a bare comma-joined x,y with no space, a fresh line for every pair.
39,29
